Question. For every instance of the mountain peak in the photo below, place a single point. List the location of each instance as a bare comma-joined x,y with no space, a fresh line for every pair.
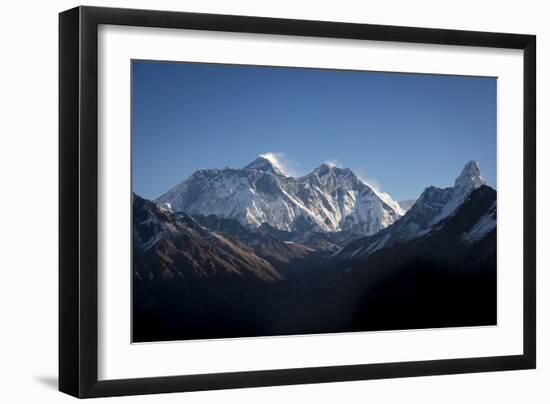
470,177
328,167
323,169
328,164
268,163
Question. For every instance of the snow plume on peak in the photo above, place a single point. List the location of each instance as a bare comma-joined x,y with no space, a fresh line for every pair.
274,158
331,163
269,162
375,185
277,160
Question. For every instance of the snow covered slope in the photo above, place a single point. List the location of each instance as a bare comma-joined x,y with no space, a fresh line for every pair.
484,225
329,199
433,205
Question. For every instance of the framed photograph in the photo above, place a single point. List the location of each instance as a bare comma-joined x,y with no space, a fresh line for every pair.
251,201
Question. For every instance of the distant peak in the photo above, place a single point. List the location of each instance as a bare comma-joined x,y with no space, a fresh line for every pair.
266,162
470,177
471,167
328,167
324,168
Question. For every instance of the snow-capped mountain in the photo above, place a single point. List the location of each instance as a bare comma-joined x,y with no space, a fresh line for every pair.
444,277
433,205
266,163
467,181
329,199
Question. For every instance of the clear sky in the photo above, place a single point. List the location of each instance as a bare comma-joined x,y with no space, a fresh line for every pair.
399,132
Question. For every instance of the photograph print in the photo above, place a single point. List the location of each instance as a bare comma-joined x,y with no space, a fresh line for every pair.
270,201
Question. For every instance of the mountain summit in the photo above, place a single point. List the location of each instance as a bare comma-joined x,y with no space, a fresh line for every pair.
470,177
433,205
264,163
327,200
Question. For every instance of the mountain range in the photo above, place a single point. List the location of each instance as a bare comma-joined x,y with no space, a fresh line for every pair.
433,205
329,199
270,254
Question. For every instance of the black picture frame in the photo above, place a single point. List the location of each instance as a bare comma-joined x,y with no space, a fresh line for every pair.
78,206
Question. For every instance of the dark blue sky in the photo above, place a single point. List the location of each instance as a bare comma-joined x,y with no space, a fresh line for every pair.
400,132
